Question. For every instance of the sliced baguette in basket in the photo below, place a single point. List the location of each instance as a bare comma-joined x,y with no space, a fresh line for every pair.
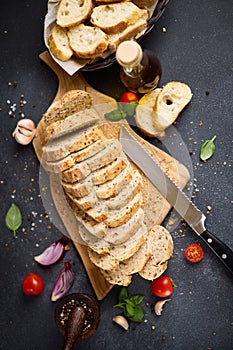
114,18
73,12
59,43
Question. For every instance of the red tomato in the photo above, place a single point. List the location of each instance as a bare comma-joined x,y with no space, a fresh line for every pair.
128,97
162,286
32,284
194,252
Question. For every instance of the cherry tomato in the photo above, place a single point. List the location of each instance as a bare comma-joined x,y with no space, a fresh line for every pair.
162,286
32,284
194,252
128,96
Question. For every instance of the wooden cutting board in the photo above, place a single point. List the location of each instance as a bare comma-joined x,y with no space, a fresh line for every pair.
156,207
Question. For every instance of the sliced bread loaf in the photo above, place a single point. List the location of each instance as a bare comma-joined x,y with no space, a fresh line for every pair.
117,278
70,103
59,43
87,42
73,12
113,18
103,261
97,244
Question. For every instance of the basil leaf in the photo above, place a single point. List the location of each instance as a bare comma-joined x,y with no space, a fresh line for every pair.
207,149
13,218
135,314
123,294
137,299
115,115
129,108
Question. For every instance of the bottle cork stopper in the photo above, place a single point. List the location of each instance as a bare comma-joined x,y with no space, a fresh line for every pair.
129,53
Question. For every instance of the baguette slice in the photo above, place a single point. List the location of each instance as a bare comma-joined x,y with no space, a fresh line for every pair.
169,103
114,18
162,249
144,112
130,32
87,42
59,43
73,12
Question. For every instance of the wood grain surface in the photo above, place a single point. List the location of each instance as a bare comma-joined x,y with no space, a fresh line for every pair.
156,207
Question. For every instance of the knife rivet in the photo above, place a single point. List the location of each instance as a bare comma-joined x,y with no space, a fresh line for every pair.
224,256
209,240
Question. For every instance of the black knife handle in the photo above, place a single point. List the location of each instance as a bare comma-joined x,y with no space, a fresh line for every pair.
223,252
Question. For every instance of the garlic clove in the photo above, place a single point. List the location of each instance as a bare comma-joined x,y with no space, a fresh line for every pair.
24,131
158,308
121,321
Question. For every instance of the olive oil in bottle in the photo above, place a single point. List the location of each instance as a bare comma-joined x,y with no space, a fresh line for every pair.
140,70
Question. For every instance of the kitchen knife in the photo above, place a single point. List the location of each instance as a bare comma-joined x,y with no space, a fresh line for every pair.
188,211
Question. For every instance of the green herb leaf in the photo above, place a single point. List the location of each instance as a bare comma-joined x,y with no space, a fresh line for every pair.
130,305
13,218
207,149
129,108
115,115
123,294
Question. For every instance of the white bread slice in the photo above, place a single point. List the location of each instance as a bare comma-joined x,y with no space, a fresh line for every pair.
97,229
76,157
113,187
103,261
72,12
85,203
128,33
145,3
79,189
121,216
72,123
111,151
127,249
114,18
87,42
162,249
59,43
120,234
169,103
98,245
120,274
110,171
144,111
71,102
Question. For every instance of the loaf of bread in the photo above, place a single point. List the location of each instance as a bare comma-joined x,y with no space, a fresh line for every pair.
73,12
114,18
59,43
87,42
158,109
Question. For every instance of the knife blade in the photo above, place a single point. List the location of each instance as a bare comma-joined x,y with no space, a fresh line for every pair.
175,196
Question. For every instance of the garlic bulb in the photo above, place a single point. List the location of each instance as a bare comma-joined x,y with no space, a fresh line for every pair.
24,131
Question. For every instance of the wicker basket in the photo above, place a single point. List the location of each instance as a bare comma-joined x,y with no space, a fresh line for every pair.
103,63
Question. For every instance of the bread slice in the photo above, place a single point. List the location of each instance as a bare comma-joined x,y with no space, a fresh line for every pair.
59,44
72,123
145,3
58,149
128,33
73,12
144,111
96,244
113,187
169,103
162,249
103,261
76,157
87,42
114,18
121,216
127,249
106,156
121,234
117,278
71,102
85,203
